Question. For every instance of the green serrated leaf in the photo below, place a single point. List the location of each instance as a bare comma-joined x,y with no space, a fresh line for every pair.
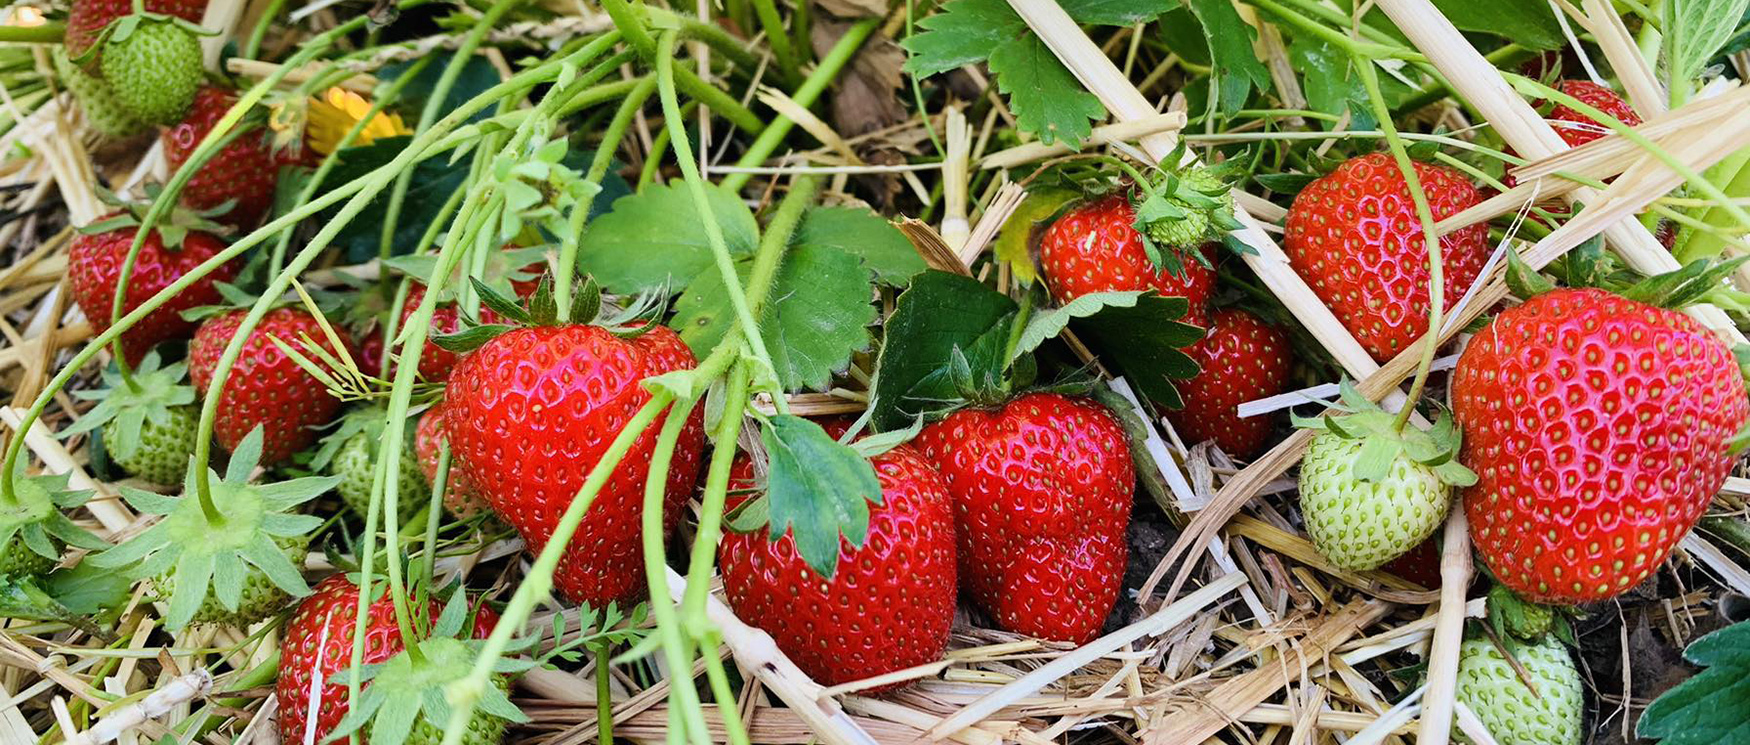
861,233
939,313
1048,324
1115,12
1143,342
1695,30
1709,708
962,33
818,314
1528,24
1524,281
818,490
656,238
1047,100
1236,69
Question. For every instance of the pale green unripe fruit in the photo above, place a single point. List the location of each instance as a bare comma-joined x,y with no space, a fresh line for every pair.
1489,686
1360,525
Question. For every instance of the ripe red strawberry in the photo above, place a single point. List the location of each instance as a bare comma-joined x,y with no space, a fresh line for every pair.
1242,359
1599,428
530,412
889,606
317,642
266,388
1042,488
1353,235
94,266
1095,248
87,18
245,170
461,497
1576,128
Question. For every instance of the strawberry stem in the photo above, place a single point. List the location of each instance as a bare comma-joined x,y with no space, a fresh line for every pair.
435,101
683,148
1436,277
675,647
598,169
723,449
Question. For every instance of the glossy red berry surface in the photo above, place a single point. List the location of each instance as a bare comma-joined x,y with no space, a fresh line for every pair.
1095,248
1354,236
1598,428
94,267
1042,488
530,413
1241,359
266,388
889,605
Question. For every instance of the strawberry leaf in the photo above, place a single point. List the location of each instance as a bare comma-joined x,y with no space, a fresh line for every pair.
1236,69
1047,100
939,313
1049,324
865,235
1710,707
1695,30
1143,341
817,489
656,238
962,33
1530,25
1014,240
817,315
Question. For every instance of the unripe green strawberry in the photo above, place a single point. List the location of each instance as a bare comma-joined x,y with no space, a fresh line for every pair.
149,422
1371,486
1201,195
161,451
1361,525
260,598
18,560
102,110
1489,686
154,68
356,465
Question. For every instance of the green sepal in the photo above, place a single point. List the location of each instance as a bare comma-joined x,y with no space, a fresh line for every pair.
403,690
203,557
1684,286
1357,418
156,389
1524,281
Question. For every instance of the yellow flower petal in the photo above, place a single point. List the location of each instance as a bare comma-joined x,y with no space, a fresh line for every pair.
336,111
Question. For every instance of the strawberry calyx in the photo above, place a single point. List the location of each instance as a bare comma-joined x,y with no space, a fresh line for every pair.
155,392
35,518
629,321
171,227
411,683
1185,208
210,553
1590,266
368,421
512,272
1383,441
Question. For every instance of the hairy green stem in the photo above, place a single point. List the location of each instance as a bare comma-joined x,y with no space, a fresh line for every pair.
439,95
1436,275
604,694
683,149
824,74
43,33
716,495
779,39
627,19
675,646
598,169
252,47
